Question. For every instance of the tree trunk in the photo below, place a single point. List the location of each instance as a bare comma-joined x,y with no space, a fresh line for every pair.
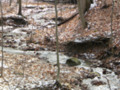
10,3
83,6
81,12
1,11
57,42
111,40
20,7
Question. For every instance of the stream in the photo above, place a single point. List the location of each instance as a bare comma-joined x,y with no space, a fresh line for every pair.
50,57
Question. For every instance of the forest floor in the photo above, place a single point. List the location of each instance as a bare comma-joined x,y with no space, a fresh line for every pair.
36,32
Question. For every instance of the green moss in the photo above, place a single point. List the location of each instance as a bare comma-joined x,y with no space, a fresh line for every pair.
95,74
73,61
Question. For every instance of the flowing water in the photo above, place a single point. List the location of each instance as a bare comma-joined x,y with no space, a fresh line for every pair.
50,57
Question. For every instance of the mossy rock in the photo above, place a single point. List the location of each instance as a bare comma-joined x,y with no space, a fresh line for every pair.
73,61
92,75
96,74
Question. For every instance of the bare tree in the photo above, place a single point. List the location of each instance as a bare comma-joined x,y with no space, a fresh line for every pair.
2,38
57,43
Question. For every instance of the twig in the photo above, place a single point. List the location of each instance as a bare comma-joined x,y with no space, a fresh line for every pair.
108,83
8,83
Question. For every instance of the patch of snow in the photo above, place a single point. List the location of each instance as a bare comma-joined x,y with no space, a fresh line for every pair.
40,83
51,57
113,80
83,39
12,15
17,40
10,50
66,71
28,12
78,41
88,55
4,65
18,31
94,4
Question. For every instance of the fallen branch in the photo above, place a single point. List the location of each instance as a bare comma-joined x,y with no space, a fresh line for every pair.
108,83
68,19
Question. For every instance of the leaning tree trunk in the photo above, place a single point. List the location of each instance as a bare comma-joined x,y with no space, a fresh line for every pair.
20,7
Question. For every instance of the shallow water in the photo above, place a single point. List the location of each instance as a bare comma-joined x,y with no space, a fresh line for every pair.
50,57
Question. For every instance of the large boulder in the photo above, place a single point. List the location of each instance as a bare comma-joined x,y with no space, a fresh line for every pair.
73,61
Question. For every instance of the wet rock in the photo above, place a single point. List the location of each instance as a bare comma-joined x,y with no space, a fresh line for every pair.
117,70
84,87
105,71
92,75
96,63
97,83
73,61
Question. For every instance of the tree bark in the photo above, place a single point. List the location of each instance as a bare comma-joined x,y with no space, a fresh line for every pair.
20,7
81,7
57,42
10,3
2,38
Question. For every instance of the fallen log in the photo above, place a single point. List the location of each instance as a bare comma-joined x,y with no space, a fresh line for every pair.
63,21
68,19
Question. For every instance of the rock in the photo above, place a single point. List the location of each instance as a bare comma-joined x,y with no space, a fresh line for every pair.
96,63
105,71
84,44
97,83
92,75
73,61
